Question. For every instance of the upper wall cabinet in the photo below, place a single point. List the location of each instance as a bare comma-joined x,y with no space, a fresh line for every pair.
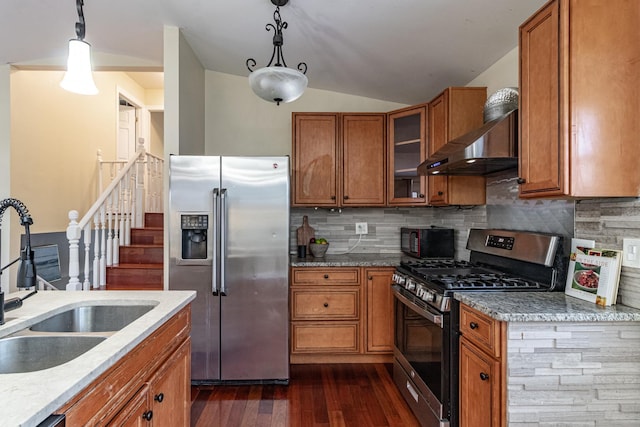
339,159
579,92
407,149
456,111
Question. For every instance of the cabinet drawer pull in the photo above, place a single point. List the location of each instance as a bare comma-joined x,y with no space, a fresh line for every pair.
521,181
484,376
326,304
326,276
440,193
421,196
159,397
147,415
473,325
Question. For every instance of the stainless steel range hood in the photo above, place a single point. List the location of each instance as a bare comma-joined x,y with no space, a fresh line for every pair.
490,148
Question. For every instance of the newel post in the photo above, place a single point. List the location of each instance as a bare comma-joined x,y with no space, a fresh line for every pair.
73,235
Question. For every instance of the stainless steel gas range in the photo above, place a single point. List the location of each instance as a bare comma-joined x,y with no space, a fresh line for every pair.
426,315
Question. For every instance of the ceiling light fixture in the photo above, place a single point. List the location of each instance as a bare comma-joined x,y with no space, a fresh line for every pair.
78,78
277,83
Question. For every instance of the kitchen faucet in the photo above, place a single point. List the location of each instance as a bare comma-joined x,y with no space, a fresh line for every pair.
27,269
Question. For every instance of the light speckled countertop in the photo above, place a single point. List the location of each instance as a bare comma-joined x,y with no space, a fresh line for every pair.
544,307
27,399
348,260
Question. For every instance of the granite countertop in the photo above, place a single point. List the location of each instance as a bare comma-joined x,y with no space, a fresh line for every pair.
27,399
544,307
348,260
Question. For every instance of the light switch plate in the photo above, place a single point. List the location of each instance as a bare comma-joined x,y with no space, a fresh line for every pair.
631,253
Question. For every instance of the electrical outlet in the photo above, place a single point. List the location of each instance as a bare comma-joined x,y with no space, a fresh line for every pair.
631,253
361,228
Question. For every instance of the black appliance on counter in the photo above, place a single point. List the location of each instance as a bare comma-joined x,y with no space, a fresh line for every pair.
425,367
432,242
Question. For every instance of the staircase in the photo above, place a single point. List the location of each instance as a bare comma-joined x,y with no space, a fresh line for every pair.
141,263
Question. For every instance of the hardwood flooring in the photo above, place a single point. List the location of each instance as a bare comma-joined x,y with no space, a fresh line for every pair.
349,395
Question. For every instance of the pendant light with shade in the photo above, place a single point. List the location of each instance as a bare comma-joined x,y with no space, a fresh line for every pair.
79,78
277,83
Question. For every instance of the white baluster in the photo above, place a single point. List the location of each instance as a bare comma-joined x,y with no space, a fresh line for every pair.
116,241
121,209
73,235
86,235
127,210
139,182
103,249
109,208
96,252
100,187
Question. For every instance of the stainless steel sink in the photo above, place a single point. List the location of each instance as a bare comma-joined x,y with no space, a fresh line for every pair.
92,318
20,354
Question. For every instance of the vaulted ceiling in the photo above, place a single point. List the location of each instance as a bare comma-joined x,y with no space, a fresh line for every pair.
404,50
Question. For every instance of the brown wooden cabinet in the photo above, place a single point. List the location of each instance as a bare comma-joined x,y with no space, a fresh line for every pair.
579,97
482,370
148,387
379,336
407,148
341,314
454,112
338,159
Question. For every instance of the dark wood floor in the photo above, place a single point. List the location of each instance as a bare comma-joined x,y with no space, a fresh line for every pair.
350,395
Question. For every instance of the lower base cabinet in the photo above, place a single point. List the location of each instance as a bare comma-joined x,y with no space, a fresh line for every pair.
151,386
482,347
341,314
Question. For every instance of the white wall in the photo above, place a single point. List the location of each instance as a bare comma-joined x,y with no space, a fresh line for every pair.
184,96
503,73
240,123
5,169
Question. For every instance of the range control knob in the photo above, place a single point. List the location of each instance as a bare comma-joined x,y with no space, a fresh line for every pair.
410,285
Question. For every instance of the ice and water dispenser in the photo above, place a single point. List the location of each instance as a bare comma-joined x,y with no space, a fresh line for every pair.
194,235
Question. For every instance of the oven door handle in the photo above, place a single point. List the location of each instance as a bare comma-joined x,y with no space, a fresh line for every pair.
426,312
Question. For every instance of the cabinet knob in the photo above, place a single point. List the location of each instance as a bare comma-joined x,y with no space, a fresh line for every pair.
473,325
147,415
440,193
159,397
345,197
484,376
421,196
326,304
521,180
370,278
326,276
333,197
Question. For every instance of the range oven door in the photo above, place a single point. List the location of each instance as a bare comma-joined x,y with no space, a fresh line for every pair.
422,358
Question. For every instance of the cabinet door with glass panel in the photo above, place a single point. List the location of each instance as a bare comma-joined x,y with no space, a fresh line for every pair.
407,130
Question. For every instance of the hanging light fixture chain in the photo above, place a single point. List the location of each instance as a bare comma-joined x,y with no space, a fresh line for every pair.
80,27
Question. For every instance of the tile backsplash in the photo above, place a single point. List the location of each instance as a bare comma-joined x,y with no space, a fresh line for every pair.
605,220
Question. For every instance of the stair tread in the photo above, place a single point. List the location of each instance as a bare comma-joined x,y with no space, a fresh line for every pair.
132,265
143,245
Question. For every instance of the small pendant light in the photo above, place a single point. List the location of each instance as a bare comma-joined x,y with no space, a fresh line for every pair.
79,78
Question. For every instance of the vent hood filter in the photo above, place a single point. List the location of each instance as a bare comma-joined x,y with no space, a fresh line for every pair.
488,149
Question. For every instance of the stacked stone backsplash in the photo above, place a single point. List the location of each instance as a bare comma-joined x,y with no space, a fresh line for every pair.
503,210
608,221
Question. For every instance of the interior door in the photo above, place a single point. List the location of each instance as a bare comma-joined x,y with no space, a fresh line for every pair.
126,132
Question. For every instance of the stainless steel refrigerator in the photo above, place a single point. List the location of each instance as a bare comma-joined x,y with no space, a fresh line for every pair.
229,241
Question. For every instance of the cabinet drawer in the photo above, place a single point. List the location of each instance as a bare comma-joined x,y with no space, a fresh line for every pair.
323,276
325,304
335,337
481,330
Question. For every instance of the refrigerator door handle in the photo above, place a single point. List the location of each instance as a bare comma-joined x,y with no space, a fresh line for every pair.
214,226
223,238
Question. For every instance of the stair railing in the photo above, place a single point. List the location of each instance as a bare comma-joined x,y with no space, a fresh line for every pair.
120,206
